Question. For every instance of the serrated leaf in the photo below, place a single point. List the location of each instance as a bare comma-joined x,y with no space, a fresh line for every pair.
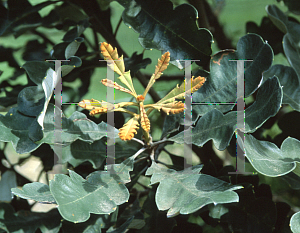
179,92
100,193
128,131
187,191
162,64
109,53
173,107
110,83
35,191
295,223
268,159
145,123
97,107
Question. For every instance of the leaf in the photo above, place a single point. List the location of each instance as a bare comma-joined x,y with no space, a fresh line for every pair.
165,29
179,92
94,152
97,107
290,82
221,83
35,191
162,64
173,107
218,127
26,221
100,193
110,83
112,54
14,128
8,181
187,191
49,84
128,131
295,223
145,123
268,159
77,126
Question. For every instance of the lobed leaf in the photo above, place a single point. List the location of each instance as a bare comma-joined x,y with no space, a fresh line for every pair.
187,191
100,193
128,131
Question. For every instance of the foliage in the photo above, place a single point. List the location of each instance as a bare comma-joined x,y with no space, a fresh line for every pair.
151,186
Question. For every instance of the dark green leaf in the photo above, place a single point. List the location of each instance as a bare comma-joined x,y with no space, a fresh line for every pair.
290,82
14,128
165,29
27,221
221,84
37,70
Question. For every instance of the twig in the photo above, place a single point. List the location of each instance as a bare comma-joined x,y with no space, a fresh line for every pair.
46,39
117,28
140,151
138,140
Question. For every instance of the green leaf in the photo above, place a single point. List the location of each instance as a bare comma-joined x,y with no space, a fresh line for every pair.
221,84
291,39
218,127
268,159
100,193
28,222
68,66
72,48
278,17
35,191
165,29
187,191
157,220
8,181
293,6
295,223
15,128
290,82
77,126
37,70
95,152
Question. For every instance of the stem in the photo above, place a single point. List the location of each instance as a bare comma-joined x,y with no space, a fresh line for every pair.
140,151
